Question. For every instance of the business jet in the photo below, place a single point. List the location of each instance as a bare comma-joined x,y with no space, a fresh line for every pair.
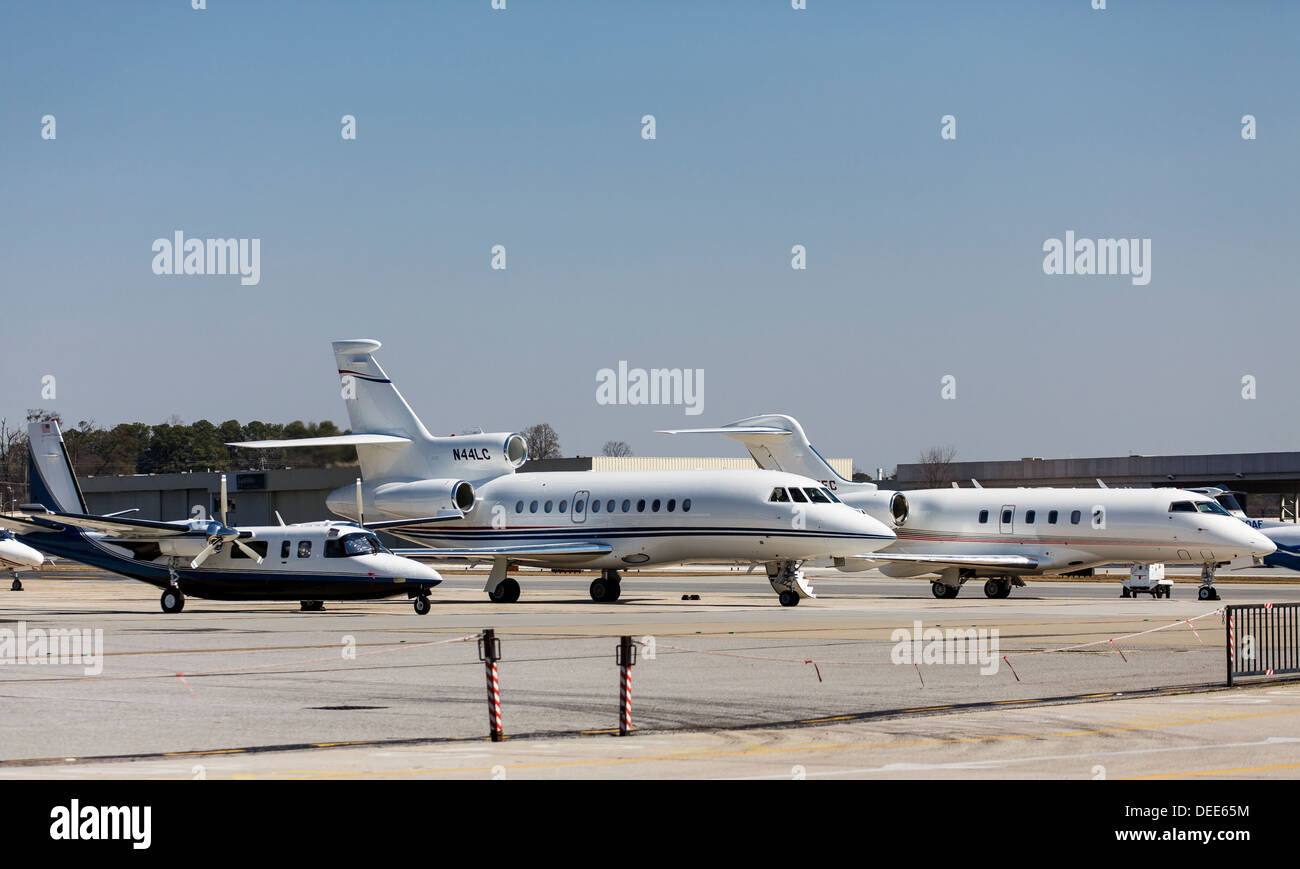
15,556
308,562
1005,534
584,520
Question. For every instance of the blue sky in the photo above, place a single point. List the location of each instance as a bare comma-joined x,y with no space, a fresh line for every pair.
774,128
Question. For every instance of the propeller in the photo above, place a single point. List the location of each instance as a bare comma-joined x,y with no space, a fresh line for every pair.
219,533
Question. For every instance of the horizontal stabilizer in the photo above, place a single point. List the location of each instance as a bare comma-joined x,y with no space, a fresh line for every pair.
348,440
443,516
728,430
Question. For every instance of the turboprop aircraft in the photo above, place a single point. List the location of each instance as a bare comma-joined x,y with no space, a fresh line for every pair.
583,520
1006,534
15,556
308,562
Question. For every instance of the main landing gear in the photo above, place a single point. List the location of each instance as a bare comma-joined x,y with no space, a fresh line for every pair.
507,591
1207,590
606,588
943,591
172,600
17,584
997,588
313,606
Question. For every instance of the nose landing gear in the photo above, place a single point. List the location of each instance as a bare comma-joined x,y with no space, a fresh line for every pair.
1207,591
788,582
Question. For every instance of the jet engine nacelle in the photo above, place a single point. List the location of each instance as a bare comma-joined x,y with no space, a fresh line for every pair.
409,500
481,456
885,506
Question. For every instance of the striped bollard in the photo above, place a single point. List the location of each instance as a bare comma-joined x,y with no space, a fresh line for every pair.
489,652
626,660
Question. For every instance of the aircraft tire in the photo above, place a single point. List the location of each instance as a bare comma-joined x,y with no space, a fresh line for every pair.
939,590
788,598
422,605
506,592
172,601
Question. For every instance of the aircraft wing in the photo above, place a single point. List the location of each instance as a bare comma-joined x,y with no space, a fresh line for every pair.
1021,561
21,524
540,552
122,528
729,430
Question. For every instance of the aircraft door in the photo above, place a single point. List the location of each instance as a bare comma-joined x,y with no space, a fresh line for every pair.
580,502
1007,519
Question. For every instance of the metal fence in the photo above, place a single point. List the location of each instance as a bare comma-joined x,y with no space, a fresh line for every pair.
1262,639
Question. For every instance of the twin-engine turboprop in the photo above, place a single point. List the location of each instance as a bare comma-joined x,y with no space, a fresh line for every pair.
1005,534
207,558
603,521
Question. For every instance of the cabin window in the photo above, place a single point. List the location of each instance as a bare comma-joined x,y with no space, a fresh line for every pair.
564,505
1029,516
817,497
546,508
595,506
1006,517
984,517
672,504
779,496
654,506
640,505
284,548
519,506
304,549
609,506
532,508
258,546
798,496
1051,517
578,505
627,505
1182,507
686,506
1075,517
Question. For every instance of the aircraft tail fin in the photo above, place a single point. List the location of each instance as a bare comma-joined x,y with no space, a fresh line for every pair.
777,442
53,482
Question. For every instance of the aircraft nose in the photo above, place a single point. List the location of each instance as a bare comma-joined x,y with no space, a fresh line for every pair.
1260,545
866,525
414,570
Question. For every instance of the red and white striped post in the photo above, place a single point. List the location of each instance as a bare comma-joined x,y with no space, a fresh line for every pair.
626,660
489,652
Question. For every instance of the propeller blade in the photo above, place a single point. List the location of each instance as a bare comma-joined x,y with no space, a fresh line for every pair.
361,519
203,556
223,500
249,551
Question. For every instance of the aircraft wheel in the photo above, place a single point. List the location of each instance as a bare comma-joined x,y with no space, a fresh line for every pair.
604,591
993,589
16,585
788,598
506,592
1124,592
172,601
1204,592
422,605
938,589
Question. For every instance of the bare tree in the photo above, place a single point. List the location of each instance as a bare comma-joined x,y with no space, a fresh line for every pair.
616,448
543,442
936,466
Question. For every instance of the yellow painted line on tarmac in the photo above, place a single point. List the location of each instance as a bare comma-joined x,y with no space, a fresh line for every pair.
207,751
809,747
1237,771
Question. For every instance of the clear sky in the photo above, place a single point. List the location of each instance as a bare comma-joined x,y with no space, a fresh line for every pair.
774,127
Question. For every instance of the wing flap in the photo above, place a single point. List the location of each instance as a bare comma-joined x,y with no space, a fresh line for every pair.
350,440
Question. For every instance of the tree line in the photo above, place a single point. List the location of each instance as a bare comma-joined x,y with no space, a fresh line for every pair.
168,448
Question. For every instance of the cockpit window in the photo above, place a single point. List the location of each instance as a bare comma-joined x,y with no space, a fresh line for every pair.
829,494
816,496
1212,507
798,496
1182,507
351,545
779,496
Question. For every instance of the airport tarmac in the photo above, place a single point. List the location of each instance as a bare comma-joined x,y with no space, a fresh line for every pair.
738,686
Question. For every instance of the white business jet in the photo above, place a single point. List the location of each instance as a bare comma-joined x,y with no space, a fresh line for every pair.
582,520
309,562
16,556
1006,534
